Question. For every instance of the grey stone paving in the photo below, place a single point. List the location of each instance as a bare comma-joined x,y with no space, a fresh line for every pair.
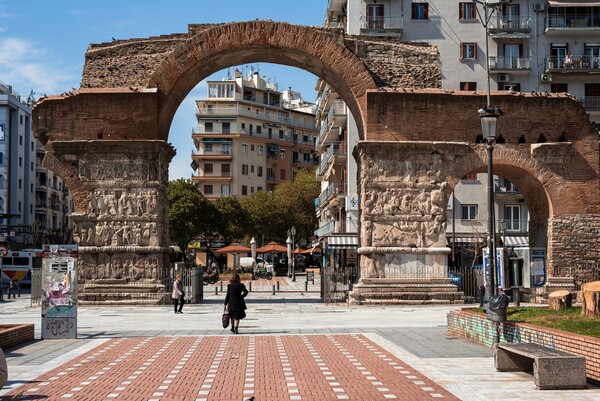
415,334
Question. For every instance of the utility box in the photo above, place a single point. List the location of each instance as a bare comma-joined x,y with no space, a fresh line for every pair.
496,308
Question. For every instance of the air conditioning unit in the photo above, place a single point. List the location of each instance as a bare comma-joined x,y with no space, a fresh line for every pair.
503,77
538,7
546,78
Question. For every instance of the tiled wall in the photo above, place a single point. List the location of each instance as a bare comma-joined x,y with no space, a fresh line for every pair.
478,328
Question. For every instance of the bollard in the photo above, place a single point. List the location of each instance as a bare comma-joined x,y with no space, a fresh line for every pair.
221,284
277,285
250,286
273,293
216,290
306,286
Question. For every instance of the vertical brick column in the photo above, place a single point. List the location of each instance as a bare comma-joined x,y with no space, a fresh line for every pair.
120,219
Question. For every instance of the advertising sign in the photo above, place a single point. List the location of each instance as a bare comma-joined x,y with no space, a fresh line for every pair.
499,277
538,267
59,291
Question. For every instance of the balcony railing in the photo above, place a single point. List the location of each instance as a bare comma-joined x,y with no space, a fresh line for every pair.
335,189
573,21
338,108
479,228
222,152
584,62
347,225
379,23
267,116
510,63
336,148
591,102
510,23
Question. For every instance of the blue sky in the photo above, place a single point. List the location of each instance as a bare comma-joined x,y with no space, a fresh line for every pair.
43,42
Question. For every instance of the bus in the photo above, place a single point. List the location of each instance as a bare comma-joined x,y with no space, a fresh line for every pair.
17,265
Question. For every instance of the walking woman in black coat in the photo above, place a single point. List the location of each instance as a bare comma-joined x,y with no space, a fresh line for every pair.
234,300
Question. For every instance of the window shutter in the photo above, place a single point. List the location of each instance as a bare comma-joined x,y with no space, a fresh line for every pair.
414,10
368,12
473,12
461,10
462,50
426,10
475,51
520,50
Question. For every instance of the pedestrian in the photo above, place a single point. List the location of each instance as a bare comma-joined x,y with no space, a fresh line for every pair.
234,301
481,294
177,295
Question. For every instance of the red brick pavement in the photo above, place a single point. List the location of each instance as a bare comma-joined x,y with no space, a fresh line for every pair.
203,368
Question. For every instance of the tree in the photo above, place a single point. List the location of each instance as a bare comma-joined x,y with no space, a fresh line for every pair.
266,216
234,221
190,214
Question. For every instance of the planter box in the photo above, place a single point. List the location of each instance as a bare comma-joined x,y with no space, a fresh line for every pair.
476,327
15,334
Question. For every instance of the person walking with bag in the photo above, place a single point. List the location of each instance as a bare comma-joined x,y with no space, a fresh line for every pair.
177,294
234,301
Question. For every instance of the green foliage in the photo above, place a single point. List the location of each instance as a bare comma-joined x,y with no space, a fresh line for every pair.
569,319
234,220
190,214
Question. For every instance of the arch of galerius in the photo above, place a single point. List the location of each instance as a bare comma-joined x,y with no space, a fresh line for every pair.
108,141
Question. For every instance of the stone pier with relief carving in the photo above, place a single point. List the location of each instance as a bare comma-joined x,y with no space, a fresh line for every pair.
403,195
121,224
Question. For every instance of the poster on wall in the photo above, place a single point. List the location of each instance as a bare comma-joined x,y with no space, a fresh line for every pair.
59,291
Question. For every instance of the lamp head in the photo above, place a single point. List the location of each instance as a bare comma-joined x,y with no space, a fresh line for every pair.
489,122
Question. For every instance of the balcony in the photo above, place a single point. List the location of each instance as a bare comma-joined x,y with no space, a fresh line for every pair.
335,150
573,64
332,191
510,64
216,113
478,229
373,25
337,227
576,23
220,154
510,27
337,116
591,103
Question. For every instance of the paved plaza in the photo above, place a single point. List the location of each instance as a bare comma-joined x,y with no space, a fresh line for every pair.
290,347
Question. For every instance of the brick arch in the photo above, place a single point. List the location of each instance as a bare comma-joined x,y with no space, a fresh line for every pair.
535,182
222,46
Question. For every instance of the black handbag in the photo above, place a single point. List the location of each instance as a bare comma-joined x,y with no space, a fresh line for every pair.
225,318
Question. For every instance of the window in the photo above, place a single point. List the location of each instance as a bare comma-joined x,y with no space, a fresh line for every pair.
208,127
512,217
258,189
244,169
468,86
1,155
208,148
31,166
375,16
208,168
252,168
251,190
244,190
20,122
250,129
467,11
261,149
258,129
20,183
282,174
305,138
20,161
281,135
225,170
591,57
224,190
559,88
468,51
259,171
282,154
244,148
470,176
226,128
208,190
32,146
20,140
469,212
558,54
420,11
221,90
252,148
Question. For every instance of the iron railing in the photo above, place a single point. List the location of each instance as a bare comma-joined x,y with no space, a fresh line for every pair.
591,102
510,23
573,62
510,63
573,21
337,282
376,22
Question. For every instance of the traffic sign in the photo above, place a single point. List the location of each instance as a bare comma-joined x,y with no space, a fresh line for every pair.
3,251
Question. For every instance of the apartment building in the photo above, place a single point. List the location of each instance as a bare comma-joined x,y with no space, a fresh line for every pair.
251,136
532,45
34,203
17,165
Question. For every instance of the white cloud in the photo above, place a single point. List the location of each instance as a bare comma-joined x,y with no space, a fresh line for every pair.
26,67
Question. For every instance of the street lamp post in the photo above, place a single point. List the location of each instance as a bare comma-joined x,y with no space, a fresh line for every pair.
289,253
293,232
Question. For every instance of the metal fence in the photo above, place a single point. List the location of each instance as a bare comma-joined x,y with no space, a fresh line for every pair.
584,273
337,282
36,286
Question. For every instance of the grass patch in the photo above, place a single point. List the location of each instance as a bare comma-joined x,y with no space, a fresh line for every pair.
569,319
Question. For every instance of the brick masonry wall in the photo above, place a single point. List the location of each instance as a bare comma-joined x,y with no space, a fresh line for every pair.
568,232
15,334
476,327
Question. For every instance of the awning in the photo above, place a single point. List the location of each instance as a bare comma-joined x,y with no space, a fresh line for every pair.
570,3
273,147
516,241
342,242
223,141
